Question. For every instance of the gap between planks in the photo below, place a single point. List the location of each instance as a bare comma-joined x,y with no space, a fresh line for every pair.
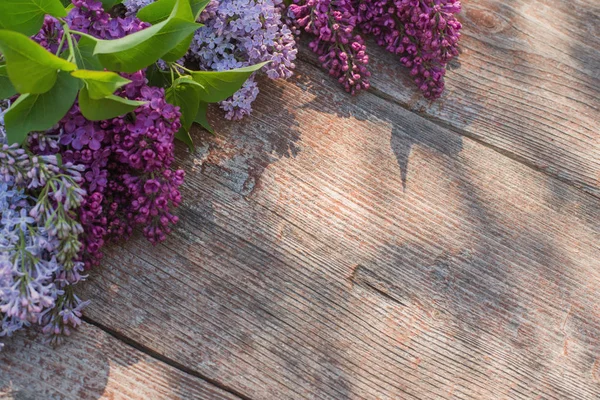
162,358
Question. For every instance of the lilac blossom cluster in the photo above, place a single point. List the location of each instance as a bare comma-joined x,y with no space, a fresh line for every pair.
424,33
127,159
89,17
39,242
239,33
340,49
78,185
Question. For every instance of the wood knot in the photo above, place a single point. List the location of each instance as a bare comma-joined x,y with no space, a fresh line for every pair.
483,20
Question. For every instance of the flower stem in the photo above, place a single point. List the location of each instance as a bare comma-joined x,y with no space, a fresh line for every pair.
67,32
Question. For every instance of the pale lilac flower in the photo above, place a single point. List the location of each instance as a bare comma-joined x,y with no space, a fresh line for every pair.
239,33
36,241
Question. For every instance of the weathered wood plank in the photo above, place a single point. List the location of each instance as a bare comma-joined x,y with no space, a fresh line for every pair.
335,248
93,365
527,83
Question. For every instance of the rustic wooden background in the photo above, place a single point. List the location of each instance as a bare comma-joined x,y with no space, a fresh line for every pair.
375,247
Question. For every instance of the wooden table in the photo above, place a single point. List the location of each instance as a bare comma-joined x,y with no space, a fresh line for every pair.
370,247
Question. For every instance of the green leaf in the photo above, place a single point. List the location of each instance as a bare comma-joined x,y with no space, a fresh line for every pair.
31,68
109,107
183,135
100,84
38,112
180,50
83,51
27,16
185,93
201,117
6,87
219,85
158,78
198,6
108,4
160,10
136,51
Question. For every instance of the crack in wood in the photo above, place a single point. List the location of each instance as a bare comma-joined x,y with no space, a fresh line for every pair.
384,294
360,276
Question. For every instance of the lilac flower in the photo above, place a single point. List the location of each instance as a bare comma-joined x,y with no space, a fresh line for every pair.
40,201
88,17
96,178
38,235
50,35
114,176
135,5
240,104
87,136
341,50
22,220
238,33
139,145
424,34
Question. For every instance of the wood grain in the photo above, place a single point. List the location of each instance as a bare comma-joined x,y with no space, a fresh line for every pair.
93,365
527,84
346,248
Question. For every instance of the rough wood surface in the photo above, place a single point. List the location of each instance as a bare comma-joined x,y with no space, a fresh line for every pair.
527,83
93,365
338,248
378,247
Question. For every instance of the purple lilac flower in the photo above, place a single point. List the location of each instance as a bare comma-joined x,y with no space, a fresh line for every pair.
133,6
142,151
120,154
424,34
50,35
240,104
87,136
341,50
96,178
87,16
